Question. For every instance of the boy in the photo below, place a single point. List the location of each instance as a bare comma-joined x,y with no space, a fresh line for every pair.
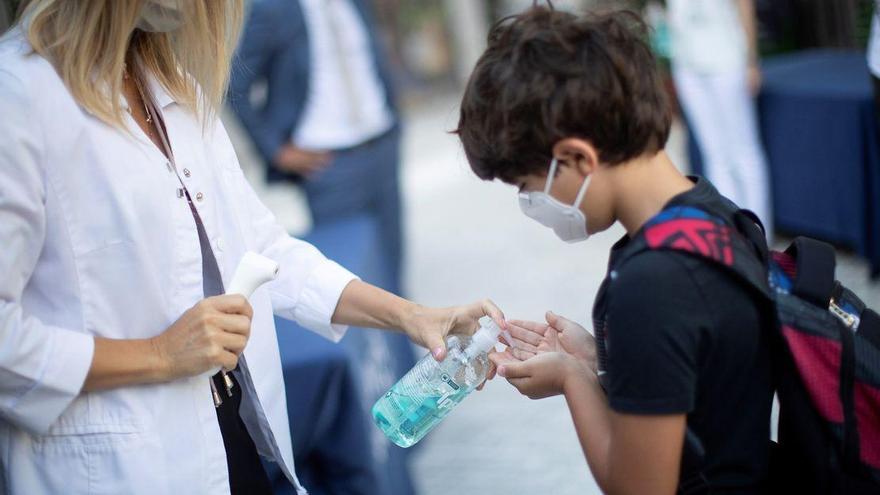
571,110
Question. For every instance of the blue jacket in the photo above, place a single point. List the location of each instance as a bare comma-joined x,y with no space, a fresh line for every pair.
274,50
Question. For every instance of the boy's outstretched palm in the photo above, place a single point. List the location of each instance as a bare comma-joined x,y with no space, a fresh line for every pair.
559,334
541,356
574,339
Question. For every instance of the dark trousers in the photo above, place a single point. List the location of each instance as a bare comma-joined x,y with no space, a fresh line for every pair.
364,179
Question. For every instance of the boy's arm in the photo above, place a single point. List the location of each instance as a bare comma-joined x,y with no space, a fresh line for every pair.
627,453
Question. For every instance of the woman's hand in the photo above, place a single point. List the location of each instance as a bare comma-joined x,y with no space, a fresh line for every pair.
429,327
365,305
211,334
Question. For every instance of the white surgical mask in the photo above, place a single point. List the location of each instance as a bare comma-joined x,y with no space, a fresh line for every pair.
567,221
160,16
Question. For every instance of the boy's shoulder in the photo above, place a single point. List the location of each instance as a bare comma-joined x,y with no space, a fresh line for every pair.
658,267
655,273
654,282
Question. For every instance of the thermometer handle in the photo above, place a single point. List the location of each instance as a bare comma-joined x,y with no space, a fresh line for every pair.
253,271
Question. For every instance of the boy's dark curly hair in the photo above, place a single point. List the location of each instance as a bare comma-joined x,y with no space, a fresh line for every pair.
548,75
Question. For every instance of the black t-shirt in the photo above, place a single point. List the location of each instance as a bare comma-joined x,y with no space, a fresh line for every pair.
680,335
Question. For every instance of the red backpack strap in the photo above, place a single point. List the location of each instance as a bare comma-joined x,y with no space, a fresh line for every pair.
693,231
737,245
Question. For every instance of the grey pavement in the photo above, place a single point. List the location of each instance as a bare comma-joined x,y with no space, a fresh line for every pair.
467,240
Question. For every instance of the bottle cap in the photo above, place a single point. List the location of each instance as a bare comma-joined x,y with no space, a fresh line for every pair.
485,338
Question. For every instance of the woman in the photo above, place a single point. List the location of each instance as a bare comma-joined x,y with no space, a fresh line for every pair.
123,211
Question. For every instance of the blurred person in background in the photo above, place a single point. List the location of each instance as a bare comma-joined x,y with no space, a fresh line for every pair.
327,117
5,15
123,214
571,111
716,70
874,55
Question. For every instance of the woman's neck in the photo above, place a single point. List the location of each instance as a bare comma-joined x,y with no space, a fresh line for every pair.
133,88
643,187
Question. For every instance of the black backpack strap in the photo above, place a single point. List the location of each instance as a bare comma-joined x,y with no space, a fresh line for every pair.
815,270
869,328
749,225
693,479
847,399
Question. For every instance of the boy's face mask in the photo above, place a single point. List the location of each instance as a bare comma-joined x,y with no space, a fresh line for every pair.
160,16
567,221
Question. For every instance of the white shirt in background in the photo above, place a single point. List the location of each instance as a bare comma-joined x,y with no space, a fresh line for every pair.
707,36
346,103
874,42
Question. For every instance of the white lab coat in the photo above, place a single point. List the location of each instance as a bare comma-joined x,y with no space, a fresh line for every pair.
96,242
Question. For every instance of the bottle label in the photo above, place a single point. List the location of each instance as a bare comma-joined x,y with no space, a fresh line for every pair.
446,400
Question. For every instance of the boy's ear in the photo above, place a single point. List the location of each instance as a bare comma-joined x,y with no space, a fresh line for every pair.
577,153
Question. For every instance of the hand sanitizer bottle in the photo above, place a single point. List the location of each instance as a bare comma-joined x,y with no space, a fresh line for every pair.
426,394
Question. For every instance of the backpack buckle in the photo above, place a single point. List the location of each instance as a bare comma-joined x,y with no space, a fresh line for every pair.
851,321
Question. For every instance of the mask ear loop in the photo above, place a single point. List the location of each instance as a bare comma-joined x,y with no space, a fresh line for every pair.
550,176
582,192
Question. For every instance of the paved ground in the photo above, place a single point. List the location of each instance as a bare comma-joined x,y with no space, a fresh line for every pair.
467,240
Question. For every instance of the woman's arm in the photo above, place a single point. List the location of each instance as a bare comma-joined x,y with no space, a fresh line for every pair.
365,305
118,363
42,366
210,335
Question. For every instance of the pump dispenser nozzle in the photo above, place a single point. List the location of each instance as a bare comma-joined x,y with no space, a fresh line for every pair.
485,338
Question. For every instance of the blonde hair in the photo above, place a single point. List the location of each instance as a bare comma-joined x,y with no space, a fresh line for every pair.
89,41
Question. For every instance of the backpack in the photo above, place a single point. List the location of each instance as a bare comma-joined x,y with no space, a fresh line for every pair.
826,355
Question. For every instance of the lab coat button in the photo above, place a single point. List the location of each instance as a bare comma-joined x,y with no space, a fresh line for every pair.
186,172
200,196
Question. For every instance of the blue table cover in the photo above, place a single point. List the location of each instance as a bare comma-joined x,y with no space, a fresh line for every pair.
331,387
819,127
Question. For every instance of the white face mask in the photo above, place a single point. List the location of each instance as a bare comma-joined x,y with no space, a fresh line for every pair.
567,221
160,16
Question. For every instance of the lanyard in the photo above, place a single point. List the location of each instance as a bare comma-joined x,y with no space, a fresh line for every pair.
212,281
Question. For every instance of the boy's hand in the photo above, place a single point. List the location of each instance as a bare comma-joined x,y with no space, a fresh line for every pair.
524,339
559,334
543,375
574,339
